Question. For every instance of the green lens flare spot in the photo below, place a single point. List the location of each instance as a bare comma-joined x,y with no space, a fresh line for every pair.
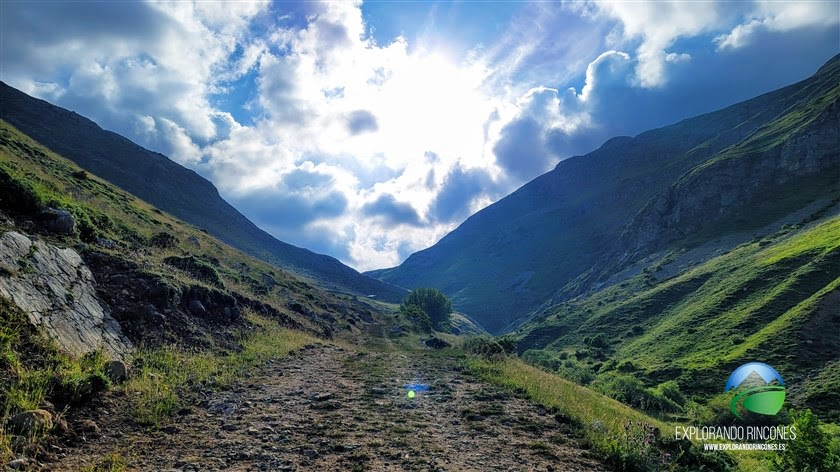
411,394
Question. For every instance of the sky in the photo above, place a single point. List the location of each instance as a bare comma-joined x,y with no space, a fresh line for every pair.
368,131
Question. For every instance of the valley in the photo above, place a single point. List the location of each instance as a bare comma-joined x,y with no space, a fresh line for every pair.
148,325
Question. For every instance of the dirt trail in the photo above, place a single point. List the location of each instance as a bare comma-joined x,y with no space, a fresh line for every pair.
329,408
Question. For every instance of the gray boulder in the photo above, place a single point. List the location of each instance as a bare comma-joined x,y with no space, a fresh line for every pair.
117,371
32,422
59,221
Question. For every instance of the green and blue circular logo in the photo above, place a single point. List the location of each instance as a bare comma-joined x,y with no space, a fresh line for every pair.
758,388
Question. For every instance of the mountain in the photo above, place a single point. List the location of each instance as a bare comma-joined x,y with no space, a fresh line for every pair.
173,188
573,229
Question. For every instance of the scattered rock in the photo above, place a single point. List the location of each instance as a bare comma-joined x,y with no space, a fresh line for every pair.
106,243
269,281
222,407
311,454
229,427
397,331
321,397
117,371
59,221
327,405
29,423
194,241
87,426
197,308
22,464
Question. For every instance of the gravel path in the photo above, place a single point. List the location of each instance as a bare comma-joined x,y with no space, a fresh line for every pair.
330,408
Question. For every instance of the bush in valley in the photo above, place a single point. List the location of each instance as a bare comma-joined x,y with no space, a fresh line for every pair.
671,391
812,450
561,364
197,268
484,347
434,303
631,391
508,343
417,317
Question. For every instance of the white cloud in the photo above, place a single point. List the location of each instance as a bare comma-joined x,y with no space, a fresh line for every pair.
658,25
344,132
122,63
780,16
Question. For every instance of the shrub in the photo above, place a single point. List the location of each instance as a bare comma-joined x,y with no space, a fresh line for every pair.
671,391
197,268
631,391
163,240
811,450
434,303
508,343
484,347
417,317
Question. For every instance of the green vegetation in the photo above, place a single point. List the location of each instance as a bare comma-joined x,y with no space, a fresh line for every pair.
114,222
114,462
626,438
167,375
34,371
417,317
812,451
772,299
196,268
434,304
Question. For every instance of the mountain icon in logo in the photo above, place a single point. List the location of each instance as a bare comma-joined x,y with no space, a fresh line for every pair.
759,389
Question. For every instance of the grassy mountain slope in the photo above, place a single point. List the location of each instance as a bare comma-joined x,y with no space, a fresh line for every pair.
617,204
130,245
774,299
172,188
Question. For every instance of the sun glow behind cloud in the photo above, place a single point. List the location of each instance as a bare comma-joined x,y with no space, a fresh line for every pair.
335,136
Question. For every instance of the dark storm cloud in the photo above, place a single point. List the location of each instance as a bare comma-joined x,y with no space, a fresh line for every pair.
361,121
459,189
392,211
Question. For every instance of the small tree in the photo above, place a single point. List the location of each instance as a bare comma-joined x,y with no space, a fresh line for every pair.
434,303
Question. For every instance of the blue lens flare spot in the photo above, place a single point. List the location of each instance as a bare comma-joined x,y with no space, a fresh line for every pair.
415,388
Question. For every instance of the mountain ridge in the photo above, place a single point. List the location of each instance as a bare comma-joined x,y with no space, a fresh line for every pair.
515,254
173,188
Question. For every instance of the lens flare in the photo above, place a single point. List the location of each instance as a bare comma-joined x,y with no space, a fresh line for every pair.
415,388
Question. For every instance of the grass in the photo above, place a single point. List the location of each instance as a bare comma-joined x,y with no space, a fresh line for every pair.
626,438
168,374
769,299
113,462
32,178
34,371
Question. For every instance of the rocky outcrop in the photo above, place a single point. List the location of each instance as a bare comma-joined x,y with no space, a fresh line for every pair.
753,177
55,288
